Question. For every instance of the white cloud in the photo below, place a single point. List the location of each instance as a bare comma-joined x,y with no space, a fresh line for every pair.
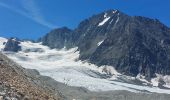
31,11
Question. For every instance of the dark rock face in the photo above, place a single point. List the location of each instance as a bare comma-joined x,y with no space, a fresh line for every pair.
12,45
132,44
58,38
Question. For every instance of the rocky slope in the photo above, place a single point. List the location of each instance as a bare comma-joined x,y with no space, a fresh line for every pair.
132,44
17,83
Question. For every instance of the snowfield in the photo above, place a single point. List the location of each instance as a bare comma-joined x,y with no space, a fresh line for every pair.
63,66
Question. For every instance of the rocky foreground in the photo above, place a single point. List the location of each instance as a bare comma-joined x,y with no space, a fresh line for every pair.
17,83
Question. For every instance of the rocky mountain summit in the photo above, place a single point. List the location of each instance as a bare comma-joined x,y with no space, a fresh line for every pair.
132,44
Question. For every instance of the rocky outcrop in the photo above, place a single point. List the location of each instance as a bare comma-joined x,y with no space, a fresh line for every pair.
58,38
17,83
12,45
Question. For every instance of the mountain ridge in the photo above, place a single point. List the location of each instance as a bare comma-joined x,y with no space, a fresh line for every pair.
128,36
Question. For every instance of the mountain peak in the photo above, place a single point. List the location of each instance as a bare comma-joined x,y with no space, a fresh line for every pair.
60,36
132,44
61,30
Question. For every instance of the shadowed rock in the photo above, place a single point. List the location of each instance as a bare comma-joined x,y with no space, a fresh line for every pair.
58,38
12,45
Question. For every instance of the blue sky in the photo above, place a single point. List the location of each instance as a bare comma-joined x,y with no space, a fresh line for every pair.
31,19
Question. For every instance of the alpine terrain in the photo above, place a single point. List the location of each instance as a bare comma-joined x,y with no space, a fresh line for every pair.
109,56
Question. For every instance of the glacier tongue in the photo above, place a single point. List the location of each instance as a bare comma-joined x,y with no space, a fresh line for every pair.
63,65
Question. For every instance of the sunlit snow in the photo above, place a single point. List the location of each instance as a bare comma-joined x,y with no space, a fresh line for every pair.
114,11
117,20
106,18
99,43
2,41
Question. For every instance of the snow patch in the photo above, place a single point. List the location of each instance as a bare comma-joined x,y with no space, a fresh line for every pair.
155,81
14,39
141,78
105,15
114,11
99,43
111,21
2,41
117,20
109,70
105,20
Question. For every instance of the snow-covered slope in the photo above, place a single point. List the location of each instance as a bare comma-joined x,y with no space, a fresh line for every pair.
2,42
63,65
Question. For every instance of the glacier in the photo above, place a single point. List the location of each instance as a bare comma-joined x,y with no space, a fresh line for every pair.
63,66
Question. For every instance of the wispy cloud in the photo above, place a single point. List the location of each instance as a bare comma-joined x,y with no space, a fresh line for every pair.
31,11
